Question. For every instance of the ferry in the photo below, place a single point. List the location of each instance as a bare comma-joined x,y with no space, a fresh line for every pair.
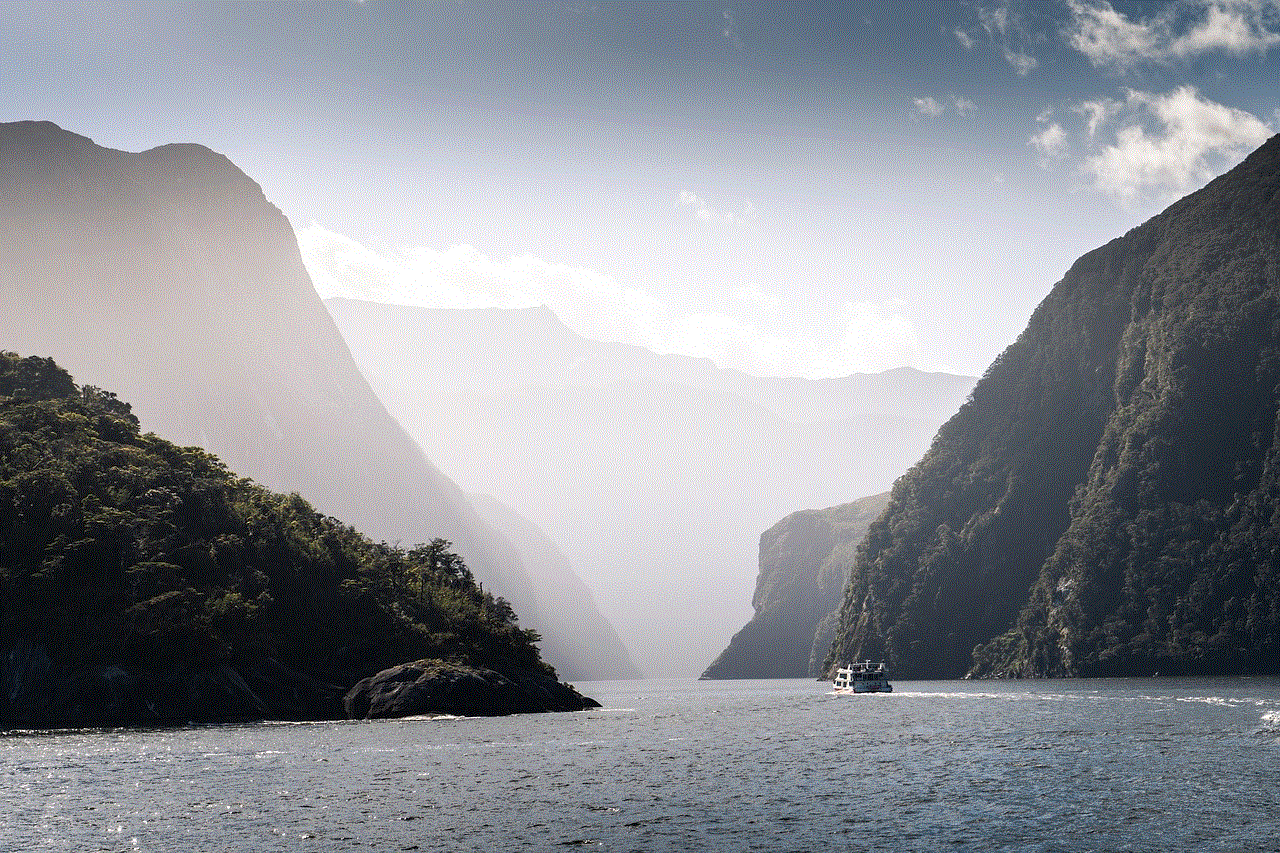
862,677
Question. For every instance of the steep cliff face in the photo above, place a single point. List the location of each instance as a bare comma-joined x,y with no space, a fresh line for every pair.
804,564
1106,502
166,276
654,474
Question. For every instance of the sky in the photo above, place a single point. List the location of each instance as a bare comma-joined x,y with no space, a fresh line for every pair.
787,189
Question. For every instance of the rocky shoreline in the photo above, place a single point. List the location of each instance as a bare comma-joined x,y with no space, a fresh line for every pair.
40,690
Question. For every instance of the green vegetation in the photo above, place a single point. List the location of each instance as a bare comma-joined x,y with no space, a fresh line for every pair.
122,549
1106,502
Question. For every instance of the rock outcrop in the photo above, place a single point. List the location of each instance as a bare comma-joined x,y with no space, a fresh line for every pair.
433,687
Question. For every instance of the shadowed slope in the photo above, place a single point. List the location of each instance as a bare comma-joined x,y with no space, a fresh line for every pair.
804,564
1121,456
167,276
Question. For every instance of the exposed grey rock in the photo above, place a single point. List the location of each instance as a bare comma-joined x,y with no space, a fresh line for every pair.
435,687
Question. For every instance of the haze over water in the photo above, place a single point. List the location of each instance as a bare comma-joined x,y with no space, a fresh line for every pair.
1131,764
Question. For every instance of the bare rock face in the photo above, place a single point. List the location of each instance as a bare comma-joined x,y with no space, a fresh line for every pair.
804,564
435,687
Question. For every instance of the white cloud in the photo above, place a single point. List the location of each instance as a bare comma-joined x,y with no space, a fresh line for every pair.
931,106
700,209
731,30
463,277
706,213
1168,144
966,40
1097,112
1106,36
928,106
875,335
1004,25
994,19
1051,143
1022,63
1177,31
872,336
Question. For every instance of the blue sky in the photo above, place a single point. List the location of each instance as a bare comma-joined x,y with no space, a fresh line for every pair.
789,189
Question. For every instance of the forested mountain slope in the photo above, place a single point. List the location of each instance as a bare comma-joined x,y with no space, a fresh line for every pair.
142,582
804,564
167,276
654,474
1106,503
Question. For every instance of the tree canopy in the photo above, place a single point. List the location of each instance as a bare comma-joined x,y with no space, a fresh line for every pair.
1106,501
118,546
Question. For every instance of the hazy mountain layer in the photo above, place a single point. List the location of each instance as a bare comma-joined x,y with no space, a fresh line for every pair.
146,583
653,474
577,640
804,564
533,348
167,276
1109,497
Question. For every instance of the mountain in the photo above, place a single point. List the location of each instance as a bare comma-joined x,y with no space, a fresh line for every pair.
168,277
524,348
1107,502
576,634
146,583
652,473
804,564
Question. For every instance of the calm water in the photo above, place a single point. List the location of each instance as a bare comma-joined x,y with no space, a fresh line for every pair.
1164,764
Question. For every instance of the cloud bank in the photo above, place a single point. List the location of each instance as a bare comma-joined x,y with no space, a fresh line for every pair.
1176,32
1165,145
868,336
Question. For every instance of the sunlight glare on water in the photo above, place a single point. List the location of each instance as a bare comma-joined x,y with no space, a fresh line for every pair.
1156,764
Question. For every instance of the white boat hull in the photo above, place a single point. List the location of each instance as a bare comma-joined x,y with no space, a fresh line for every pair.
863,677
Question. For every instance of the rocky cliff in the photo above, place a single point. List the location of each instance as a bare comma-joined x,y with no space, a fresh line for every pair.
1106,503
804,564
654,474
166,276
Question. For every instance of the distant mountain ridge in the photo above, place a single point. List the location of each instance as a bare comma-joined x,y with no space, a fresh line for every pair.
168,277
1108,502
652,473
531,347
804,564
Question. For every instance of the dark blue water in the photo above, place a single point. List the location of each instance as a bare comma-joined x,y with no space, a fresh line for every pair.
1160,764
